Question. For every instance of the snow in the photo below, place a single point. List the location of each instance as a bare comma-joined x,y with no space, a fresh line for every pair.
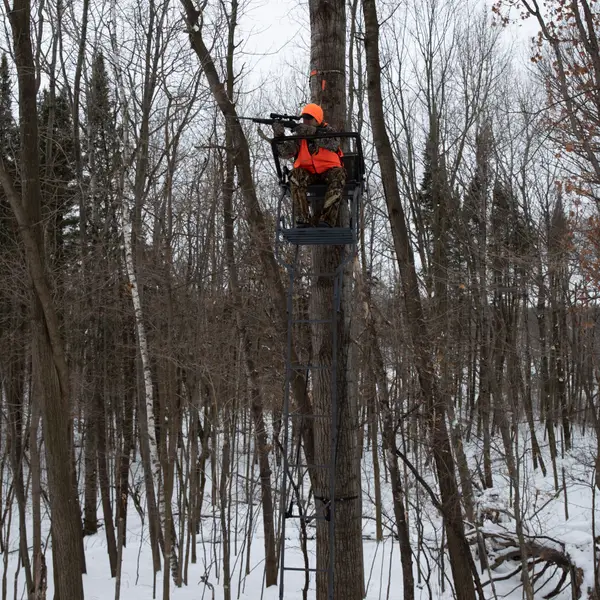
544,516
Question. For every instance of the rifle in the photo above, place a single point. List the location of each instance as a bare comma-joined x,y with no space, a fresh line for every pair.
289,121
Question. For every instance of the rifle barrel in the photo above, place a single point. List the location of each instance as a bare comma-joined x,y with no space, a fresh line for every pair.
286,123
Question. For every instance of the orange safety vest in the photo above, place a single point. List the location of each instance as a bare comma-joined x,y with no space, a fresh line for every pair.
321,161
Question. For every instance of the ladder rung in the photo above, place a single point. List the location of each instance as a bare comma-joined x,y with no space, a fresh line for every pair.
304,569
301,466
300,367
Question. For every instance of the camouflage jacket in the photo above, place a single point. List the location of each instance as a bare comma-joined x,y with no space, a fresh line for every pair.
289,150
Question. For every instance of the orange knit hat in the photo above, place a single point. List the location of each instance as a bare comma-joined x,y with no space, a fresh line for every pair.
314,110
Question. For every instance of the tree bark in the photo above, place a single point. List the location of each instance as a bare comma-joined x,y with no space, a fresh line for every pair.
51,375
14,388
391,454
460,559
125,426
103,478
260,233
128,195
90,516
256,403
328,88
39,562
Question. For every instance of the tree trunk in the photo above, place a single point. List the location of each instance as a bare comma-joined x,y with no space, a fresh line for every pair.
546,408
224,492
373,418
39,563
460,558
51,376
256,404
103,478
501,411
527,395
128,195
348,575
125,425
328,88
390,448
14,388
260,232
90,517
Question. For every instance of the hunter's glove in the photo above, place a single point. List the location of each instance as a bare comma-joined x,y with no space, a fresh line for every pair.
278,129
303,129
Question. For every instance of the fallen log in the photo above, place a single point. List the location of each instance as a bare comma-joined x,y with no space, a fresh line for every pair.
538,552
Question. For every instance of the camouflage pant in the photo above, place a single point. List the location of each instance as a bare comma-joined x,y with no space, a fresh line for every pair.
335,179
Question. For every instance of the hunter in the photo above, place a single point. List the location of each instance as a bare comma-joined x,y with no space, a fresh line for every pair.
315,161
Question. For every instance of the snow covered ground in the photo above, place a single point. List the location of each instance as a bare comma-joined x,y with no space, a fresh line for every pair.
545,516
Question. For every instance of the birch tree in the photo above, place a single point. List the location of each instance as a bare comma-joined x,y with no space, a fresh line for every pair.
128,199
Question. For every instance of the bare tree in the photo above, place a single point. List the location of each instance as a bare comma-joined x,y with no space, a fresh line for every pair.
130,188
51,372
433,394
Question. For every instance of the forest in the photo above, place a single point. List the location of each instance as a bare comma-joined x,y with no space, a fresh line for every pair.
150,336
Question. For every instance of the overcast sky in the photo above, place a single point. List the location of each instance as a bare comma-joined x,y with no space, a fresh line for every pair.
274,28
275,49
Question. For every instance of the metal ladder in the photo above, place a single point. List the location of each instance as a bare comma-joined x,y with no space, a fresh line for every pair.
295,503
296,467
